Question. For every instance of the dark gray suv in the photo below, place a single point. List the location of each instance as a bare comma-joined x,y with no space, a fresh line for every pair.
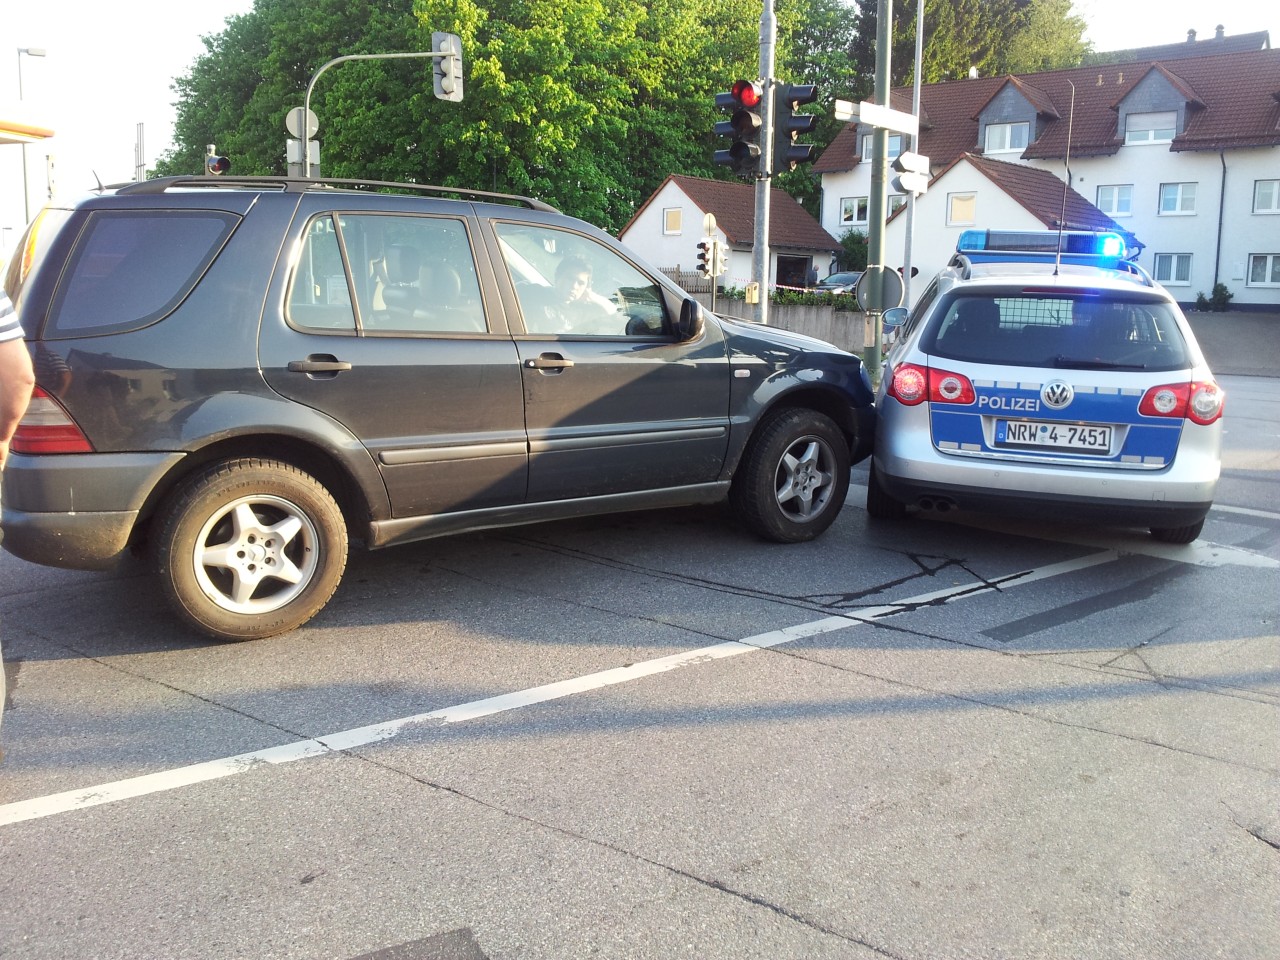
238,375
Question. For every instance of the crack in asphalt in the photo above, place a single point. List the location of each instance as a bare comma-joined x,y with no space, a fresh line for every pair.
710,883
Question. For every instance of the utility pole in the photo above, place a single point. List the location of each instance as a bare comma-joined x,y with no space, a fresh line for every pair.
760,249
915,146
876,206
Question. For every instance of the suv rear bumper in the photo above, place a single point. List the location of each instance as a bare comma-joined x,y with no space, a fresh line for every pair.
77,510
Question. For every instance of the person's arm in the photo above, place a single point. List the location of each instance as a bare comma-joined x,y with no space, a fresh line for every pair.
16,381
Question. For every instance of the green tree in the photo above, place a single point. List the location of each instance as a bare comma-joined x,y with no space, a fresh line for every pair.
992,36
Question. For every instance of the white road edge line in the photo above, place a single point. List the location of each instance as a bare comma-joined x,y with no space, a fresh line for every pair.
82,799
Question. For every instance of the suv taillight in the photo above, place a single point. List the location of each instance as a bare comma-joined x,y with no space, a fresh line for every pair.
1200,401
46,428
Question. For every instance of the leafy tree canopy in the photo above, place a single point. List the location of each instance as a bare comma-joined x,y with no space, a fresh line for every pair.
584,105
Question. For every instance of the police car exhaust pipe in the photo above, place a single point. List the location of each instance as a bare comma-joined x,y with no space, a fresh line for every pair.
939,504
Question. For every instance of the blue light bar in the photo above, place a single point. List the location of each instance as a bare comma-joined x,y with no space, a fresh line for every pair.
1078,243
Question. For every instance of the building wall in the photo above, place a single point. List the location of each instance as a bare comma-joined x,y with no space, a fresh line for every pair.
1219,246
1219,243
679,251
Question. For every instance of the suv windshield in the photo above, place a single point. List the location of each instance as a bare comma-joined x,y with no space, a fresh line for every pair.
1082,331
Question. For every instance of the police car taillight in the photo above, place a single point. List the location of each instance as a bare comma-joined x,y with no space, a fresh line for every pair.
910,383
948,387
1200,402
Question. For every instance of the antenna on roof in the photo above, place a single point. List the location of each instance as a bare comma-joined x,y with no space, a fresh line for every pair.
1066,183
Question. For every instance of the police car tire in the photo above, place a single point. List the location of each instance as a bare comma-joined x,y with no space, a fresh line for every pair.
1185,534
881,506
274,491
755,494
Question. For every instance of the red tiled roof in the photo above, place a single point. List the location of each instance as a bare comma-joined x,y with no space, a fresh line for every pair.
1233,100
1040,192
1217,45
734,206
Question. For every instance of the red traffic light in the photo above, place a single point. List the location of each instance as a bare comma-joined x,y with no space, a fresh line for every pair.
217,165
748,93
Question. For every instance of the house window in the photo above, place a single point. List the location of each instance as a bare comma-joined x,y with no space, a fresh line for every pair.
1173,269
1266,196
962,209
1150,127
895,145
1003,137
1264,270
896,202
671,219
853,210
1177,199
1116,200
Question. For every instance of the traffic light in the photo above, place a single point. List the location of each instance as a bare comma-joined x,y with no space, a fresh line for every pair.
214,164
743,155
720,261
706,258
447,70
787,125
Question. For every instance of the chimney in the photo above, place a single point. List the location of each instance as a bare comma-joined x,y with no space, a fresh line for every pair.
1218,34
1191,36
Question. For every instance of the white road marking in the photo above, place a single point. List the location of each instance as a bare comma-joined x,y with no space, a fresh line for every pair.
1246,511
362,736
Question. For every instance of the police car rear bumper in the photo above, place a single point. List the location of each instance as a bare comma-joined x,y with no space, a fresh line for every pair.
911,470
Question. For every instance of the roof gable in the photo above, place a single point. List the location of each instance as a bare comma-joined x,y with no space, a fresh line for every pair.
790,225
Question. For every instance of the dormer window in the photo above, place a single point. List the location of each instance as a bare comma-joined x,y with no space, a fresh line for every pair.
1150,127
1006,137
895,145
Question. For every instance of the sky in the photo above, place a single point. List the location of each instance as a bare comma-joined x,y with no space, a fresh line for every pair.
105,72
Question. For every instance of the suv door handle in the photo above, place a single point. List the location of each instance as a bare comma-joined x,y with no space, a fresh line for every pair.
548,361
319,363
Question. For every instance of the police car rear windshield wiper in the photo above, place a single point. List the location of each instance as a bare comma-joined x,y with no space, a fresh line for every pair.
1079,363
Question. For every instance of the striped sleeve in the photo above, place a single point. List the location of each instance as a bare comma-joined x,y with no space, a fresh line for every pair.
9,329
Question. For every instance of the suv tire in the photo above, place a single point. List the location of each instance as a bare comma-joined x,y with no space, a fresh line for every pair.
794,477
226,533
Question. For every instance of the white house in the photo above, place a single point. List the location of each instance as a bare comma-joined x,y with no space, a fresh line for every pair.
1183,153
667,227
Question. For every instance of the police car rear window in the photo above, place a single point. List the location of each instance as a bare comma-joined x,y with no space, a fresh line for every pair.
1078,332
131,268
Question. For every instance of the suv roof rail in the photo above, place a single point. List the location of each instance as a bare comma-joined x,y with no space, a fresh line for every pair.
302,185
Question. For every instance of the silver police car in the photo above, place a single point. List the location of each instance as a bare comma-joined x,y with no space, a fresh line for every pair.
1044,375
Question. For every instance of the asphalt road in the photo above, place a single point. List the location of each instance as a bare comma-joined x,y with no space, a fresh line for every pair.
653,736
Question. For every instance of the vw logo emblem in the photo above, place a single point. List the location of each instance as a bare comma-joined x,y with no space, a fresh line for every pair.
1057,394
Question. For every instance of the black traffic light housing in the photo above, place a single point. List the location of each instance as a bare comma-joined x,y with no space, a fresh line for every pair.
214,164
743,156
706,258
787,125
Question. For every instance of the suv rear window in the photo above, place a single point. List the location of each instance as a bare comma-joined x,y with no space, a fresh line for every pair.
131,268
1079,332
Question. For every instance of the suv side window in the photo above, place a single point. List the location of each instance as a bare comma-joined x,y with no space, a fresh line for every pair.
131,268
409,276
569,285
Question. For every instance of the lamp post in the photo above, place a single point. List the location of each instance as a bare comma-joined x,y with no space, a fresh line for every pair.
26,196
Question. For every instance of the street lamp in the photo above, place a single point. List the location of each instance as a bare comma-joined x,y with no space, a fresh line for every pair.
26,196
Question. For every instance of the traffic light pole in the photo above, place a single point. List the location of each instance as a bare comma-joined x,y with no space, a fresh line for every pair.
760,248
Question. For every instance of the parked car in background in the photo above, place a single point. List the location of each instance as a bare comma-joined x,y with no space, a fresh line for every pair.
1049,384
236,376
843,282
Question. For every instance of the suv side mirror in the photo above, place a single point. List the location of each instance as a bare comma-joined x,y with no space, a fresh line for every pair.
689,326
